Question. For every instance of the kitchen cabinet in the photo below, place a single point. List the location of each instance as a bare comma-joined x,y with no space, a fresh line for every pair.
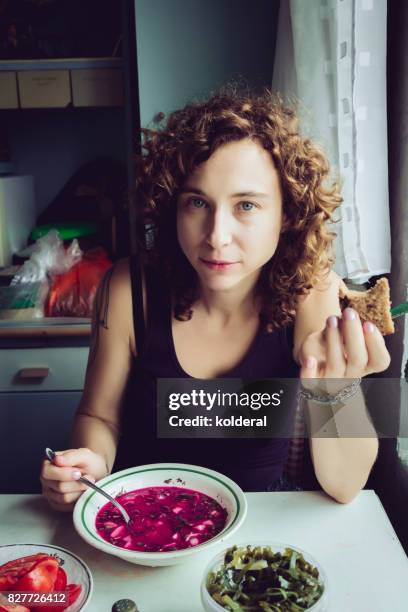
29,422
41,380
58,115
62,112
42,369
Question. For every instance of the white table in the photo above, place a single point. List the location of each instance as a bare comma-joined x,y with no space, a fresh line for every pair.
366,566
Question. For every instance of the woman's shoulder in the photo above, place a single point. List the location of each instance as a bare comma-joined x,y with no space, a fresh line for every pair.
114,300
116,283
121,273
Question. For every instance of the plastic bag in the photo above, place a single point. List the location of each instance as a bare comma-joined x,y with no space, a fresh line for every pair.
49,257
72,294
25,297
23,301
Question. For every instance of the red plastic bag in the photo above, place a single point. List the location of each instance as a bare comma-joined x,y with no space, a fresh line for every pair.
72,294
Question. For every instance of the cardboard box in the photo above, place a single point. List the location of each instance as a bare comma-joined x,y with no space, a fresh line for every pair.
97,87
8,90
44,88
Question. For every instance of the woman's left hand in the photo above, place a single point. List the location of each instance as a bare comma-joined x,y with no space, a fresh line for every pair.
345,349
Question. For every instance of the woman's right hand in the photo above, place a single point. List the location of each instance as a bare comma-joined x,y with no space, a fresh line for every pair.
59,479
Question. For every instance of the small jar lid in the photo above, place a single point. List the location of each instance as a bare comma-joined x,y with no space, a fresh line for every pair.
125,605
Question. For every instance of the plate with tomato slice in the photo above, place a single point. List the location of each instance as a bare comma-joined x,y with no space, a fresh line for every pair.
46,569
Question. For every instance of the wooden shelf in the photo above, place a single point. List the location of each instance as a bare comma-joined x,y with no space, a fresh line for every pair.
74,63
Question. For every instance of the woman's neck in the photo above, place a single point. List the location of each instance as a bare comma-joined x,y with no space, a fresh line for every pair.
229,306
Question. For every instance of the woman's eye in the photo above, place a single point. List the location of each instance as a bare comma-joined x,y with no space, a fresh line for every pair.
196,202
246,206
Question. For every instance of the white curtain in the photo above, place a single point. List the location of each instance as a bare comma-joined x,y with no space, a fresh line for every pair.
331,59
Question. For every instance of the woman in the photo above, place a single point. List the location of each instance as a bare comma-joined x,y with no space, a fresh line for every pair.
235,202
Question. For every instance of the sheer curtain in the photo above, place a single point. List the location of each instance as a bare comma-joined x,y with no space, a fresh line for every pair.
331,59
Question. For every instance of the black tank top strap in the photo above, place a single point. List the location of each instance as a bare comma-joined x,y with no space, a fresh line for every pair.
158,304
137,303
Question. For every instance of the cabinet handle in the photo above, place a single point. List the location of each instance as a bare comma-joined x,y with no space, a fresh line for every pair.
30,373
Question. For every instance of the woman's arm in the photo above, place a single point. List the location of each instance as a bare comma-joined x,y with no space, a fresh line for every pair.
313,310
343,461
97,422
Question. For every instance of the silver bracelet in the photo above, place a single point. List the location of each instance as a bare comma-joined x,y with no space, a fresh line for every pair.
327,398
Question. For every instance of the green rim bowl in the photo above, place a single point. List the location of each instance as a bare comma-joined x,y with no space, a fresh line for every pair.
221,488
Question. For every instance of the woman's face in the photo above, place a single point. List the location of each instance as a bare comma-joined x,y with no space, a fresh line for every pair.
229,215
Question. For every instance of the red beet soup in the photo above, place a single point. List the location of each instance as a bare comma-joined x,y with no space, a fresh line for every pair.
163,519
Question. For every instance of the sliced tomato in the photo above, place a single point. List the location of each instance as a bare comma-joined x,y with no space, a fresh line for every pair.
41,577
61,580
13,570
6,582
13,608
73,592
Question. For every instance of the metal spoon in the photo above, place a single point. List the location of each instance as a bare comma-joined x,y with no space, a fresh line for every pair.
51,456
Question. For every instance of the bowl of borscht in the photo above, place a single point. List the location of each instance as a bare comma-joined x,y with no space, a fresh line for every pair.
177,510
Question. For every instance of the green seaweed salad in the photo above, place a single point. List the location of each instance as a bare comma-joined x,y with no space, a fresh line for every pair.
257,579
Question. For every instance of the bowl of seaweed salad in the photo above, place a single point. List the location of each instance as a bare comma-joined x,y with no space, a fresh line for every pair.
264,577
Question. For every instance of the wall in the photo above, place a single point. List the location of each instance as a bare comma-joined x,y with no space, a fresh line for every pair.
186,48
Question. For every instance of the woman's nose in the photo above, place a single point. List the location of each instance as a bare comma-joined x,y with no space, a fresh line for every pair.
219,232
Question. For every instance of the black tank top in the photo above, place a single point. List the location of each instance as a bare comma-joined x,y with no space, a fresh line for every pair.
255,464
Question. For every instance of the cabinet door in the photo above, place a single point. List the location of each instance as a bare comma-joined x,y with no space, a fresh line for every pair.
29,422
63,368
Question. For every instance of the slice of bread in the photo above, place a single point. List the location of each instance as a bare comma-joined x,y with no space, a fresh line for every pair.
372,305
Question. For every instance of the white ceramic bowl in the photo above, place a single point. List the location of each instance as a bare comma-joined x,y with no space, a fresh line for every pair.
210,605
224,490
77,570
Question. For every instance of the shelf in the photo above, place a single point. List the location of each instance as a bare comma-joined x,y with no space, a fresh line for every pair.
75,63
58,326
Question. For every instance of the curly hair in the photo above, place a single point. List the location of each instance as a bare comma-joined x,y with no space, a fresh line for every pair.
191,135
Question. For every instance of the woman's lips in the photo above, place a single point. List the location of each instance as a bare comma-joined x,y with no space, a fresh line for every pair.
218,265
